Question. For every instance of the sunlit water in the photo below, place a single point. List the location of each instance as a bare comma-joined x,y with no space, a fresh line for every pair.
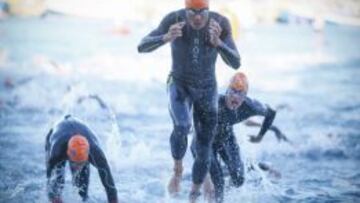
313,76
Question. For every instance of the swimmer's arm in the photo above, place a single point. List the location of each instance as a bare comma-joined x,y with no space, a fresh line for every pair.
259,109
98,159
49,167
267,122
52,160
279,135
256,108
154,39
227,48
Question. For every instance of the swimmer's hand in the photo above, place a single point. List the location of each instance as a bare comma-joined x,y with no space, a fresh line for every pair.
255,139
279,135
174,32
215,32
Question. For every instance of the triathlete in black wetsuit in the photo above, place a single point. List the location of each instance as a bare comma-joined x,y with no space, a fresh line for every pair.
197,36
235,107
71,140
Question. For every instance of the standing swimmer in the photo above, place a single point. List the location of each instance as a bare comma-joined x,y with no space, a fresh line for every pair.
197,36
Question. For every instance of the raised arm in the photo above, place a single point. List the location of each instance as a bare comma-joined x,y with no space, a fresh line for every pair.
227,48
155,39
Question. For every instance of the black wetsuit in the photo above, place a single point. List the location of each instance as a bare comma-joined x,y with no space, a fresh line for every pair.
225,144
192,83
56,158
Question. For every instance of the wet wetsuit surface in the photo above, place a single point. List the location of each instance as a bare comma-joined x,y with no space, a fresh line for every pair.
192,83
56,158
193,57
225,144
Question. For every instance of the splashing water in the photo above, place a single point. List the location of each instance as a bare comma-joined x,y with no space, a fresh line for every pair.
131,118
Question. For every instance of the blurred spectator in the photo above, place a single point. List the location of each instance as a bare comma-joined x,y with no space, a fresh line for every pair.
4,9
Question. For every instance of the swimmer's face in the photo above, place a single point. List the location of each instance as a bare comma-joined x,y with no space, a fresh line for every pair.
197,18
234,98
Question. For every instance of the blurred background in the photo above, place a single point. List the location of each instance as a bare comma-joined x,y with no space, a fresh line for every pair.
302,57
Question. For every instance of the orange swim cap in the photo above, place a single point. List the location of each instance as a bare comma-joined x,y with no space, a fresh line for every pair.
78,148
197,4
239,82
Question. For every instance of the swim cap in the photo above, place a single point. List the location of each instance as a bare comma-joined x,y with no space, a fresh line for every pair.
239,82
78,148
197,4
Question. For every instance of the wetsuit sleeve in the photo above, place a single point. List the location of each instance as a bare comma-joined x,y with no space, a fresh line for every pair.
50,164
47,141
99,161
269,118
227,47
54,162
256,108
53,158
155,38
